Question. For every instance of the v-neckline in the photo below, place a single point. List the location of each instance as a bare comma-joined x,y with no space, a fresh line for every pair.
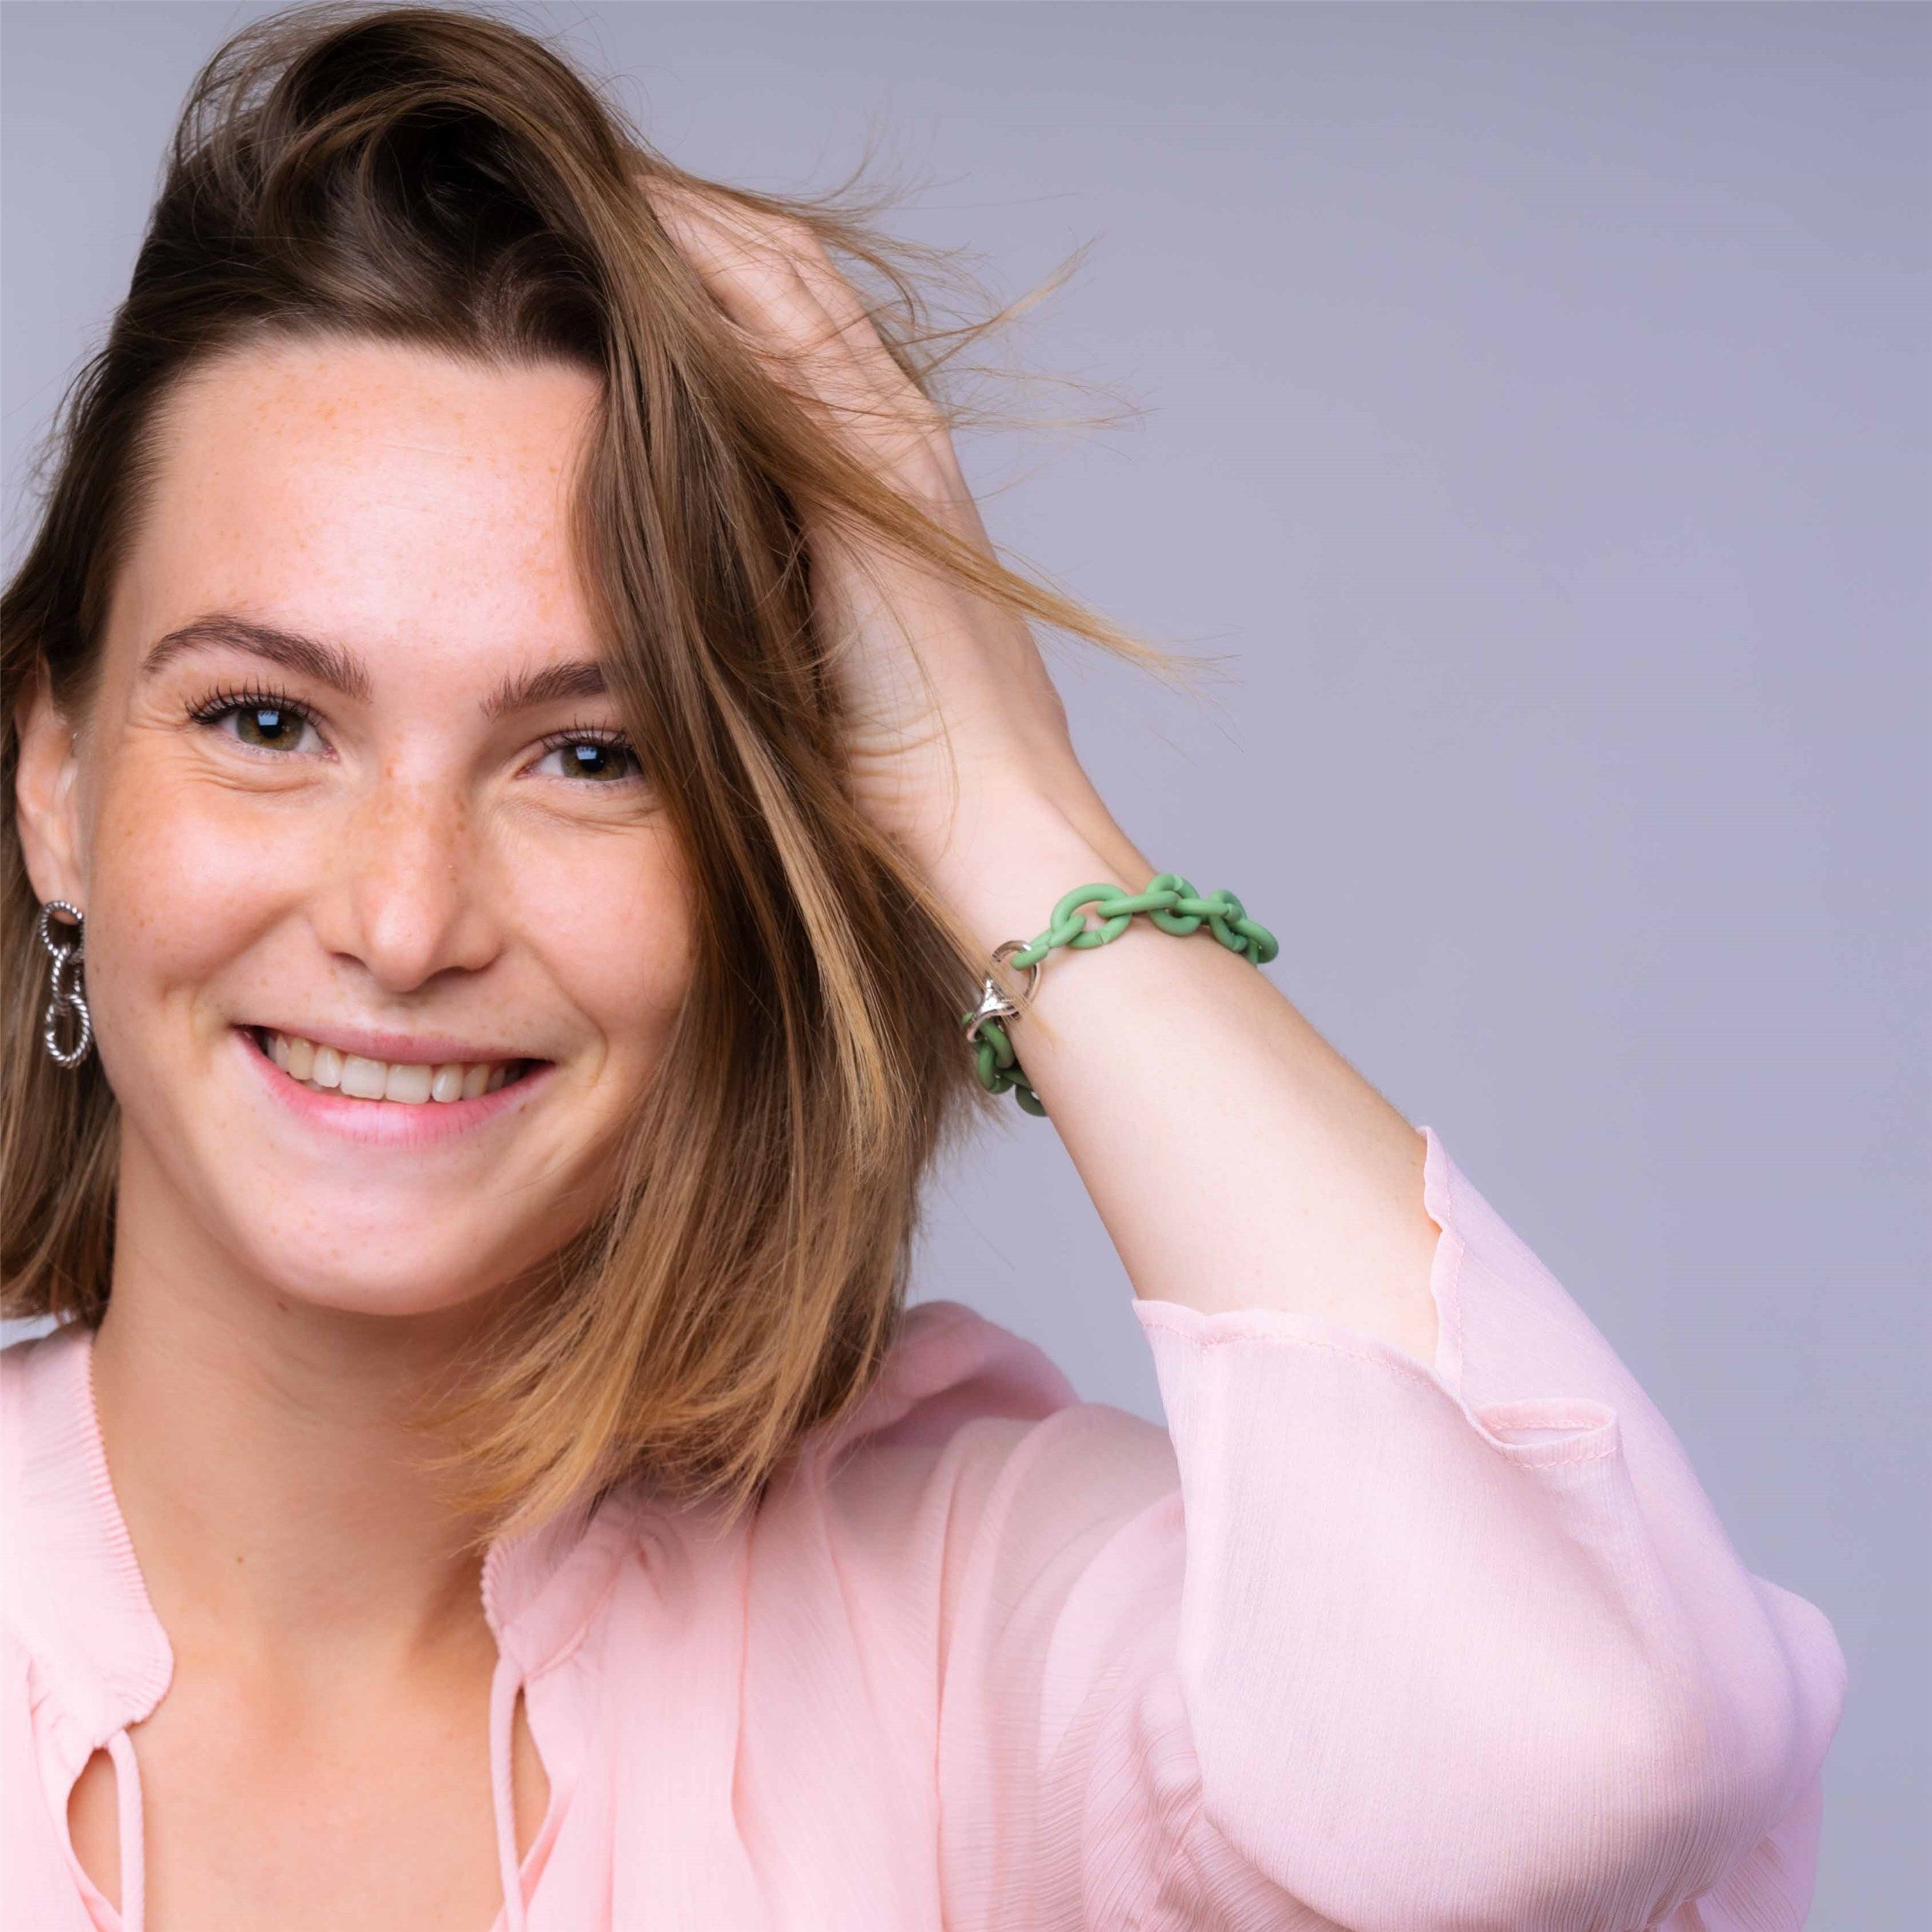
89,1616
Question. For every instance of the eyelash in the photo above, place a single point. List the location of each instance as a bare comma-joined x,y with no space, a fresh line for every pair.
228,698
604,735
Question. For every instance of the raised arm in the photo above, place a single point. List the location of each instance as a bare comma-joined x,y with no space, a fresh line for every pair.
1189,1092
1418,1618
1192,1095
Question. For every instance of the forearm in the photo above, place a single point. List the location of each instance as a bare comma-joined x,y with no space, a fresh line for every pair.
1236,1159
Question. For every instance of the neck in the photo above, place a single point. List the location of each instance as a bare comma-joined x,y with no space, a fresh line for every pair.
262,1457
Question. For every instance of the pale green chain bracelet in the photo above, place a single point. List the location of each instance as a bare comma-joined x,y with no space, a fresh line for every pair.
1169,901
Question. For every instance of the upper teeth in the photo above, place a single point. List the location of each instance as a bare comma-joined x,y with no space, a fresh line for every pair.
412,1082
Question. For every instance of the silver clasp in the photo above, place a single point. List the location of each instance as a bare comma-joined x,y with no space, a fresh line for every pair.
994,1001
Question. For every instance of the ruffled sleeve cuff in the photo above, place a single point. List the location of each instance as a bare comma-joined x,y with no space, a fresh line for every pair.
1466,1644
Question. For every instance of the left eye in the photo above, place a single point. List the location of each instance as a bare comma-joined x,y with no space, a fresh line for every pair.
600,760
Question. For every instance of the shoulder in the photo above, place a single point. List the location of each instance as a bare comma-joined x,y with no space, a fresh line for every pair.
949,1365
969,1425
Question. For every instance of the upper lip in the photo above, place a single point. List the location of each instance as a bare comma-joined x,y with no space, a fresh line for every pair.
436,1049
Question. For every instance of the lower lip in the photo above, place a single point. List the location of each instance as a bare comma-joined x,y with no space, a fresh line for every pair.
390,1123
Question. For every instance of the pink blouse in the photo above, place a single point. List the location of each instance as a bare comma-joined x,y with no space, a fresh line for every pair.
1351,1644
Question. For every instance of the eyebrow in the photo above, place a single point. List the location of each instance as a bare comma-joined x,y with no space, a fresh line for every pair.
578,678
327,663
343,670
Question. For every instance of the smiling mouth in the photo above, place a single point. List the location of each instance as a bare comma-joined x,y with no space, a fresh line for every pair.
322,1070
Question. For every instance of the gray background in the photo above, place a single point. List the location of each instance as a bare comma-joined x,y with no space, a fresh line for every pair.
1537,414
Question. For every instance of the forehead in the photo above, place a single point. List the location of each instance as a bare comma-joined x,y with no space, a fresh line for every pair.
379,494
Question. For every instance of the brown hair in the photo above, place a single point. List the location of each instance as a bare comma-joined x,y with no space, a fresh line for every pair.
435,177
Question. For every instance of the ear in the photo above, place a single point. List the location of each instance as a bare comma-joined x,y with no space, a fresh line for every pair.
47,795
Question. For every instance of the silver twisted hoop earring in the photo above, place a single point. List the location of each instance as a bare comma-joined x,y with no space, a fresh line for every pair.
64,992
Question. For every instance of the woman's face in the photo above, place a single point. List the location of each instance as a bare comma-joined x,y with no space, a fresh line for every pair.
350,796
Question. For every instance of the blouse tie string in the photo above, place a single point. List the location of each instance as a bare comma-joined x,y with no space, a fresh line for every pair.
134,1864
505,1684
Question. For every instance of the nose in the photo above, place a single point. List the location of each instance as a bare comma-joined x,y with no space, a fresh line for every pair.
410,901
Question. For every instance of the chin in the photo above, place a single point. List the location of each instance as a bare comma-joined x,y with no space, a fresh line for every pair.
409,1280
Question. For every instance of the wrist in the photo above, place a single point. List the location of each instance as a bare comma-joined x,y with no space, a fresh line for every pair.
1012,855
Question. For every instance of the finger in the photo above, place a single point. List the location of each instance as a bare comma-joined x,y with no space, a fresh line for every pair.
811,329
775,277
846,307
755,278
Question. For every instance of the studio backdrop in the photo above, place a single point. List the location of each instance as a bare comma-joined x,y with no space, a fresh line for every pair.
1533,425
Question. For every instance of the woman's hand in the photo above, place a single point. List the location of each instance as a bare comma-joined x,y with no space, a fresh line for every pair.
957,728
1237,1160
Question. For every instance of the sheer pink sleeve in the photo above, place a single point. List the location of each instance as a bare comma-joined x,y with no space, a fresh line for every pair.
1356,1643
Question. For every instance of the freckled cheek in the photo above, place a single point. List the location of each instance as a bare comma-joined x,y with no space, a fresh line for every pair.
615,929
186,882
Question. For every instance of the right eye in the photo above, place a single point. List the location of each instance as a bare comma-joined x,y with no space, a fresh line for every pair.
263,724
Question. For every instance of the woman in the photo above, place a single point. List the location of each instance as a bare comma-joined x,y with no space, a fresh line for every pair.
522,753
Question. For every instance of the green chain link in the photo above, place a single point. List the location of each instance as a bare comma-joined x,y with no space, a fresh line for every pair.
1169,901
